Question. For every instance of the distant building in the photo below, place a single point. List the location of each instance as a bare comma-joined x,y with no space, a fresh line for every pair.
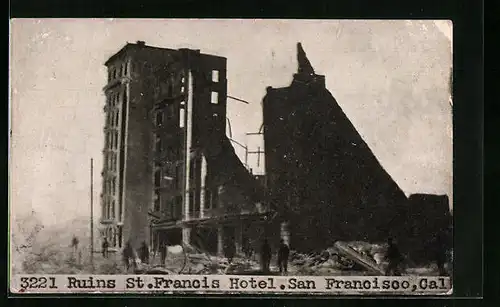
170,173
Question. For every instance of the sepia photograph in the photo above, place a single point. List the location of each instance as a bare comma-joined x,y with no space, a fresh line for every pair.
230,151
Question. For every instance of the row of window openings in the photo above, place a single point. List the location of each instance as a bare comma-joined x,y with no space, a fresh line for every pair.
114,236
114,98
114,72
173,152
169,113
108,210
210,201
174,179
174,159
110,161
175,206
109,186
112,119
215,77
170,85
111,140
160,118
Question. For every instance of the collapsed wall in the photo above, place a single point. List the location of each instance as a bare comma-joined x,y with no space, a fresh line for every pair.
230,171
328,183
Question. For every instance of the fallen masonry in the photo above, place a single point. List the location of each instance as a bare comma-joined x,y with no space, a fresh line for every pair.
344,258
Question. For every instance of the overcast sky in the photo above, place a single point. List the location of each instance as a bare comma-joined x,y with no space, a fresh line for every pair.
390,78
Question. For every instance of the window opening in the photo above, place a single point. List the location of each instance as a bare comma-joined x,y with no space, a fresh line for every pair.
181,118
215,98
159,118
157,201
215,76
158,145
157,178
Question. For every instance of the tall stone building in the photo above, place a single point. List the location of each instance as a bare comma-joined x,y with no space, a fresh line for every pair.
170,174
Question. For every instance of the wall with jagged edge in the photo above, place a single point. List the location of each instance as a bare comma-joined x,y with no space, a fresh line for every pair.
241,189
328,182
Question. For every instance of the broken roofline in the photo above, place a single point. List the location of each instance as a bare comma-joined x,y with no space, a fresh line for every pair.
142,45
305,72
306,75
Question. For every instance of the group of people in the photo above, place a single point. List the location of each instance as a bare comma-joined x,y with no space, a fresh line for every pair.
129,254
283,255
393,256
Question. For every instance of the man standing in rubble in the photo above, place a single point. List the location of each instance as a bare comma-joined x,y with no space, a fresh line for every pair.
394,258
144,253
265,255
163,253
283,253
128,256
76,251
230,251
74,245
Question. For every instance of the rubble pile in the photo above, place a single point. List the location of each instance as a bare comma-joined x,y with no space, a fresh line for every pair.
193,260
205,264
333,260
53,259
376,252
242,266
344,258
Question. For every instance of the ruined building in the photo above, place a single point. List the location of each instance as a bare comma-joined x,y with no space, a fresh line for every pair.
170,174
325,180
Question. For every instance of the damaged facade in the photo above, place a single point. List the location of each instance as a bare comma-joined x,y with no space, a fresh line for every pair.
325,180
171,175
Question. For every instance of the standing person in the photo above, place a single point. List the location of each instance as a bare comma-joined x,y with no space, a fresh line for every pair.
283,254
128,255
265,255
144,252
74,245
248,249
105,246
163,253
230,250
394,258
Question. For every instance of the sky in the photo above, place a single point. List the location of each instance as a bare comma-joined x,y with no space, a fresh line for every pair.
391,78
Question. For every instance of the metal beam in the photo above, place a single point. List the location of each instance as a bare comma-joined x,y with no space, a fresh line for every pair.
238,143
238,99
